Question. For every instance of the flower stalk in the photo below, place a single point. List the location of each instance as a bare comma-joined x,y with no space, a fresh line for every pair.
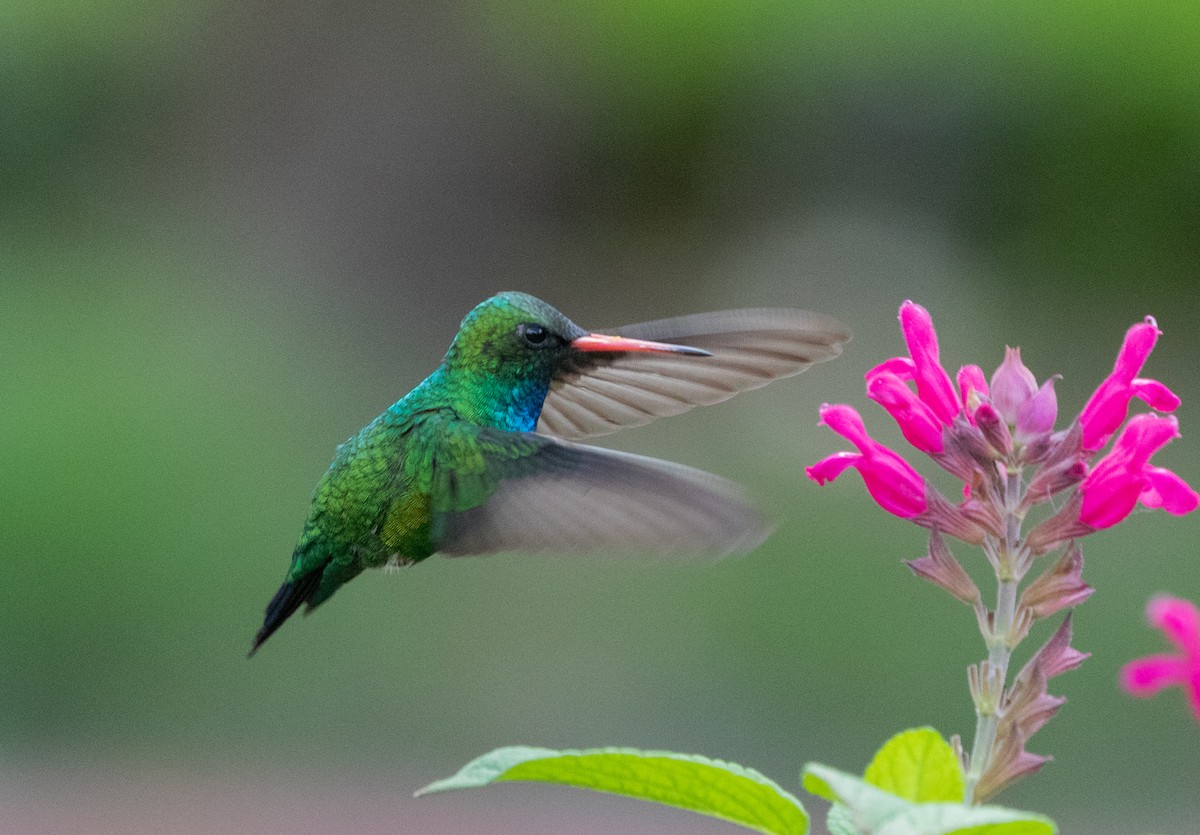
1002,640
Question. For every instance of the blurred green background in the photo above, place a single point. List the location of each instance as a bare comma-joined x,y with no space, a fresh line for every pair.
231,234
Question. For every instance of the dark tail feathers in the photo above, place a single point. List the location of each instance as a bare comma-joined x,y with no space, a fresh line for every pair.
290,597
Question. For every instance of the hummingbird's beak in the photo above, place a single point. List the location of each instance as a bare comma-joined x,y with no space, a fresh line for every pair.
600,342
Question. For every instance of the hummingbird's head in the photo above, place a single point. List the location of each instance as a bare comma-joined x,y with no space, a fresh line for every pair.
511,347
513,335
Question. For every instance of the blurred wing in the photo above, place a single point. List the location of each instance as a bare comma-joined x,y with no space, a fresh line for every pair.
546,496
599,393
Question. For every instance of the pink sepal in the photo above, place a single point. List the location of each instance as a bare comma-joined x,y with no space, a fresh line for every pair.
1037,415
1013,385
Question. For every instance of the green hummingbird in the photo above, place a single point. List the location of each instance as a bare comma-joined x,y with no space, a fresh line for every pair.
481,456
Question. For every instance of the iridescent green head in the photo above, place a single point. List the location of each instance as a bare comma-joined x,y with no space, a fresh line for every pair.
511,347
507,351
513,335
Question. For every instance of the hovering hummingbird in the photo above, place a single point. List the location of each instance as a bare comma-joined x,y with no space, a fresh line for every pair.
480,457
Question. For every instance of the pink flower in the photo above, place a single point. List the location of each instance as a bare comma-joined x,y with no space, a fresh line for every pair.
922,365
917,421
891,481
1124,477
1109,404
1180,622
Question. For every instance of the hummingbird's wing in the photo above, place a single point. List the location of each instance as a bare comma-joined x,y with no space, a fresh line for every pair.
598,393
529,493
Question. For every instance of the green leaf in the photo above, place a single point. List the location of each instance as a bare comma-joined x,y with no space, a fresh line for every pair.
815,785
918,765
708,787
957,819
839,821
874,810
869,807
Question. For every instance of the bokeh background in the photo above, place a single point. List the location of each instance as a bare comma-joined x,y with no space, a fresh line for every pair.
231,234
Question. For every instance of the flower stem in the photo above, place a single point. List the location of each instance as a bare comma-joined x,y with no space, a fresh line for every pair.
993,672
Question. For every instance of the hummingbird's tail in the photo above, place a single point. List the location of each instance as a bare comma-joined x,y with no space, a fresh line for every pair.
290,597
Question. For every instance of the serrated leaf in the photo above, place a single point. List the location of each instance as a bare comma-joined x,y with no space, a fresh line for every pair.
918,765
874,810
708,787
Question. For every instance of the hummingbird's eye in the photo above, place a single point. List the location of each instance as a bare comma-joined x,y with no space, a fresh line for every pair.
533,334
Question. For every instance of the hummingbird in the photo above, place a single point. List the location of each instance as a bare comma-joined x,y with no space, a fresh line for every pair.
482,456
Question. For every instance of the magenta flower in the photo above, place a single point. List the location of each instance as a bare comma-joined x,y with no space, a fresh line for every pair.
998,438
1124,477
891,481
923,365
1179,620
1109,404
920,426
978,430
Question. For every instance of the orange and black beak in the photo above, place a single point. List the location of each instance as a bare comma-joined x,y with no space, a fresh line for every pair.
617,344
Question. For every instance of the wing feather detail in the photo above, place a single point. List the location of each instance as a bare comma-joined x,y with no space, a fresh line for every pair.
599,393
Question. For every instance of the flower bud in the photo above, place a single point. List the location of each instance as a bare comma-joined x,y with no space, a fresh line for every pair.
994,429
972,389
965,453
1013,385
1050,480
1037,415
